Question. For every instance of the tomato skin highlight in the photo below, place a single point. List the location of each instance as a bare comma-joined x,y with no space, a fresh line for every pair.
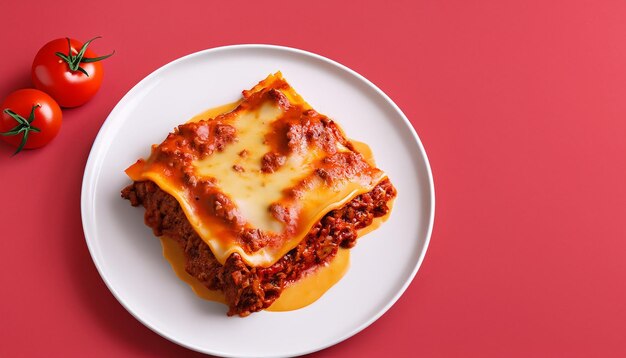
51,74
48,117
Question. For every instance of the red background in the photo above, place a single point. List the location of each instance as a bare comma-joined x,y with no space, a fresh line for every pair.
521,106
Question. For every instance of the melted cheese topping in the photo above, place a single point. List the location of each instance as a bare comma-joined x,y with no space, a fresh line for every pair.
253,193
296,185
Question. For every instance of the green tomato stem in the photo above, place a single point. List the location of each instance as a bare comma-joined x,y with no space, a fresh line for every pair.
74,61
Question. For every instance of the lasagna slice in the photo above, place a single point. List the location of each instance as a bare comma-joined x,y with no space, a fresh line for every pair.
260,196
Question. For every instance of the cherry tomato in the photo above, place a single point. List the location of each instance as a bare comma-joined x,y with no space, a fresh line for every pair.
29,119
68,71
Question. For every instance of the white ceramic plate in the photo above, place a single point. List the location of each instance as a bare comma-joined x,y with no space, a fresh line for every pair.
129,258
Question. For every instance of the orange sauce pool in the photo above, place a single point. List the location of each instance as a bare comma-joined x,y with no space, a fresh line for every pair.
300,294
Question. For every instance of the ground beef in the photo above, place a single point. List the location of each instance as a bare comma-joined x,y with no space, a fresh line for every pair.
272,161
250,289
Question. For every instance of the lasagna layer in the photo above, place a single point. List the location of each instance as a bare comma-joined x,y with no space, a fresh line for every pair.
254,181
246,288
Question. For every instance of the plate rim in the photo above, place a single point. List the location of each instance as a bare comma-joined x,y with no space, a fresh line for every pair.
95,158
